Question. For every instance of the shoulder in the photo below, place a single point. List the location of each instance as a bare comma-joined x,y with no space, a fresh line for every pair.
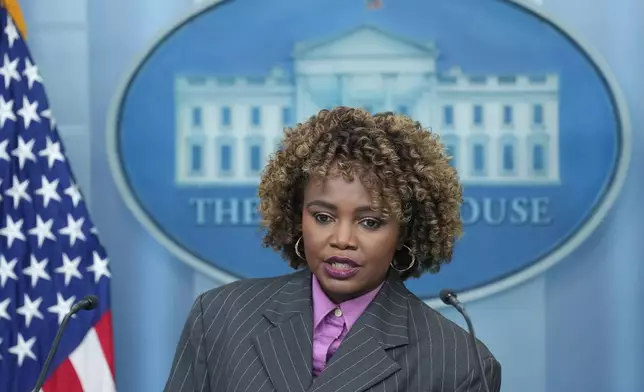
433,328
237,294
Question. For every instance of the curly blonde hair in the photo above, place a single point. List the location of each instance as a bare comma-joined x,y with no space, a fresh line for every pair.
403,165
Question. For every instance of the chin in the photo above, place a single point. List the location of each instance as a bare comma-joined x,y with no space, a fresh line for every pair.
345,286
342,287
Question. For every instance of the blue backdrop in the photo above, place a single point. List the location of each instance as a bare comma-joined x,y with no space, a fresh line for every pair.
577,327
505,40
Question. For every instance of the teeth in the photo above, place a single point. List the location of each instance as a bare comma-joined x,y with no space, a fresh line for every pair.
341,266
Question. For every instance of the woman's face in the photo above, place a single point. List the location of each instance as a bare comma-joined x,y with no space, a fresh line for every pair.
348,246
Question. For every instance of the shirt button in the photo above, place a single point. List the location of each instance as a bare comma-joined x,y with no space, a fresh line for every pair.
338,312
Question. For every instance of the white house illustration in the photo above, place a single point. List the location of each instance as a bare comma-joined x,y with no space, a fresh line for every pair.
499,129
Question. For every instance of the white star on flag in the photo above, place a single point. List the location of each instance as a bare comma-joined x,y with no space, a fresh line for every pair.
3,150
3,309
70,269
37,270
62,307
30,309
23,151
29,112
7,270
99,268
12,231
18,191
48,191
52,152
9,70
74,193
6,111
23,349
31,72
11,32
42,230
74,229
49,116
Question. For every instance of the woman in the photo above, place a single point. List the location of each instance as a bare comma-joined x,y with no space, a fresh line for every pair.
358,204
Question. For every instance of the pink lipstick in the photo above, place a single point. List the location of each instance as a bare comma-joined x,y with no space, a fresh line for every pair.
340,267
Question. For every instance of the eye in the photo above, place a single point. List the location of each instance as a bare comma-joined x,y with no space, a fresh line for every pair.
322,218
371,223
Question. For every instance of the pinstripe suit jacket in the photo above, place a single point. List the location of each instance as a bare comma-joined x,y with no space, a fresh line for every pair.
255,336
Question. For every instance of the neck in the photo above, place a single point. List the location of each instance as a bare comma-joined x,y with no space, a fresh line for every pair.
338,298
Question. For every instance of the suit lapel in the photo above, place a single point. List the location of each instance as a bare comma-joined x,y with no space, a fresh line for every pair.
285,349
362,360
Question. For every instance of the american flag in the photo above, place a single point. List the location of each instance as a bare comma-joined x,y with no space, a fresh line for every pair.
50,253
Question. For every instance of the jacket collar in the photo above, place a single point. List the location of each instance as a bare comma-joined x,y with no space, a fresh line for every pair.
285,350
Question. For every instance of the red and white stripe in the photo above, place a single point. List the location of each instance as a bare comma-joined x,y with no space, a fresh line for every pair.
90,367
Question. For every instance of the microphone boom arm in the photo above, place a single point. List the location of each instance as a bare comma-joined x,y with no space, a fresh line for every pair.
52,352
449,298
87,303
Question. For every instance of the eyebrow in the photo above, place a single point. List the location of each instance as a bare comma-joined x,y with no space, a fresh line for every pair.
330,206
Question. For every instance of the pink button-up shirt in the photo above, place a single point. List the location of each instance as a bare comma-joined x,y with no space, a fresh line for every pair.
331,322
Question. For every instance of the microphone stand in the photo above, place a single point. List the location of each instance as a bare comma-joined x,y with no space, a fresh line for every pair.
449,298
87,303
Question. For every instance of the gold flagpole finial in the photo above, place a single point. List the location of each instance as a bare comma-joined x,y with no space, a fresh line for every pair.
13,8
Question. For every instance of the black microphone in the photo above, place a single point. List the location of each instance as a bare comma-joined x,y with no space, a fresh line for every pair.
449,298
87,303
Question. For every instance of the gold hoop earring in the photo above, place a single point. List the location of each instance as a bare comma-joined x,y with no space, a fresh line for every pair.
413,261
297,252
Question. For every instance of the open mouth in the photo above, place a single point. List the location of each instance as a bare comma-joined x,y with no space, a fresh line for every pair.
340,267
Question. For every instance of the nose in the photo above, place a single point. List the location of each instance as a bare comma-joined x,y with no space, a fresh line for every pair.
343,237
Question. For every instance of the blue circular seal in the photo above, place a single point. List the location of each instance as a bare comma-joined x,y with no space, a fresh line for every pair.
533,119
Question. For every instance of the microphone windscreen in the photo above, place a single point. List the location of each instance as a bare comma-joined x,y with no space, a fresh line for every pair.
445,294
92,302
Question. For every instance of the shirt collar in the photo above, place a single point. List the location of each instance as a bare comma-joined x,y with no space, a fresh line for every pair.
351,309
